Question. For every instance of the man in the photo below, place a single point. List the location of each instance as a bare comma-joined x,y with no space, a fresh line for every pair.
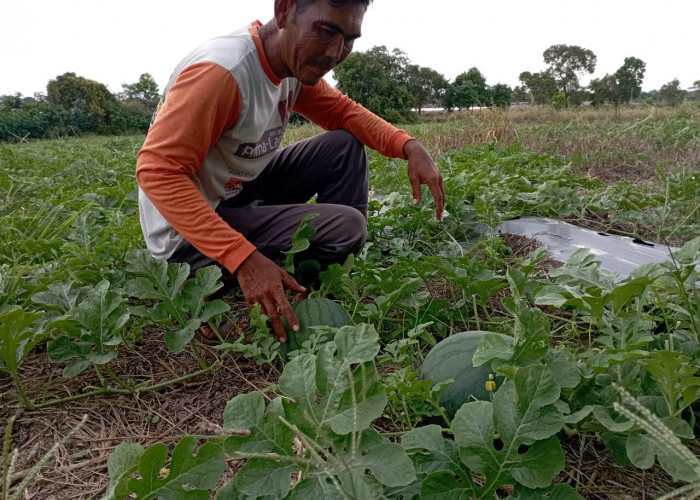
215,189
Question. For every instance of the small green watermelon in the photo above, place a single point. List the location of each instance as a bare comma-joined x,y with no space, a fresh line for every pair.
316,311
451,358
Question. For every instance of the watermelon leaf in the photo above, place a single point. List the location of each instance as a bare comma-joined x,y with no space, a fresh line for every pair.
301,240
351,398
189,476
512,439
180,302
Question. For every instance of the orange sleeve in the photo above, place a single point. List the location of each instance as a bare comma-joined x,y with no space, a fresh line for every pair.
331,109
202,103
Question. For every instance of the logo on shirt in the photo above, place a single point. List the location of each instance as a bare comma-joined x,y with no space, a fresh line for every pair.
269,142
272,138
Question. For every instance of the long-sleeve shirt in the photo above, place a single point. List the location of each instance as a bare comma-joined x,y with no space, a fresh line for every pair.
222,118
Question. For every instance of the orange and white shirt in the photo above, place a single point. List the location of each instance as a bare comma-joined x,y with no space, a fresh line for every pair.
221,120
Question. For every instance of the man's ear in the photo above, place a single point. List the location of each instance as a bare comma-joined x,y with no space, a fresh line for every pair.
283,9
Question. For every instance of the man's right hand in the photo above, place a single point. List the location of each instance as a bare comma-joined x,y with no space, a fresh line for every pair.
263,282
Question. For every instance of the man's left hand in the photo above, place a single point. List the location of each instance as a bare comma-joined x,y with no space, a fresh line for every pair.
422,170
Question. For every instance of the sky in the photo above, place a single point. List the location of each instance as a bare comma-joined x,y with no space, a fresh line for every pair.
114,42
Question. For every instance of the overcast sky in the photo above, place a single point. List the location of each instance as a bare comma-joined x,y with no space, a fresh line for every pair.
113,42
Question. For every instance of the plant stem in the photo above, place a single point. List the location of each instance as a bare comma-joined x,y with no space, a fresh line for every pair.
102,380
135,391
119,381
476,313
22,395
197,355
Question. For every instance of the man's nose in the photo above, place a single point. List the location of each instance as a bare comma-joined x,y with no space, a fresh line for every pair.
335,48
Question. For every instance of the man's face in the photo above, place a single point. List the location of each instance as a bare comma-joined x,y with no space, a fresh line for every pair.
318,37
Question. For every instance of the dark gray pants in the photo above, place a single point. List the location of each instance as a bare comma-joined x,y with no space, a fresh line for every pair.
331,166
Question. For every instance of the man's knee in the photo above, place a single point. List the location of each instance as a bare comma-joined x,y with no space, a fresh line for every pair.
357,229
346,234
352,148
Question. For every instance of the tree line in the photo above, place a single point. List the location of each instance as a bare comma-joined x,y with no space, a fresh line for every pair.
74,105
384,81
388,84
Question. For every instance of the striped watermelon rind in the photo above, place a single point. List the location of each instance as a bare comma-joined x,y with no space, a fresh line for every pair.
451,358
316,311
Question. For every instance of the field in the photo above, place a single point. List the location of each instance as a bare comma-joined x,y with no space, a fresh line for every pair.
107,391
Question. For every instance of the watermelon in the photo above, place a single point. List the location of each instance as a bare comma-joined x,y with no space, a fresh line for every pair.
316,311
451,358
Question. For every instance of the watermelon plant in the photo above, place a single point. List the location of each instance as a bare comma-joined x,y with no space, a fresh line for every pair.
572,334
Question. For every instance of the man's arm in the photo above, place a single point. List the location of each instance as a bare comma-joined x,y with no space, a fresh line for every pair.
202,103
331,109
177,144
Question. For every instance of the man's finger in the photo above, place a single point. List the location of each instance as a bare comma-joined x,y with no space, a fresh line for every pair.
289,281
439,197
288,312
415,187
272,313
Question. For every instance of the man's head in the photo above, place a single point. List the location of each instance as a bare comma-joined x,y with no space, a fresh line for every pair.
316,35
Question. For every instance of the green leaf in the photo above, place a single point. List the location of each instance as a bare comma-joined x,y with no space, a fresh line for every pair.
75,368
189,477
351,398
181,305
267,432
524,408
443,485
121,464
388,463
565,367
605,417
492,346
59,295
674,374
555,492
17,336
102,313
526,418
265,476
689,254
624,294
301,240
641,450
430,451
357,344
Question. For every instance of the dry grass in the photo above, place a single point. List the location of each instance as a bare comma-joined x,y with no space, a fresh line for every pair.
79,468
625,144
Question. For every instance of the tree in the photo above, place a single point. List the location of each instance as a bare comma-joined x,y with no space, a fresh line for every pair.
541,86
521,94
604,90
468,90
500,95
425,85
696,89
629,79
567,62
672,93
12,101
478,90
145,88
378,80
90,103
